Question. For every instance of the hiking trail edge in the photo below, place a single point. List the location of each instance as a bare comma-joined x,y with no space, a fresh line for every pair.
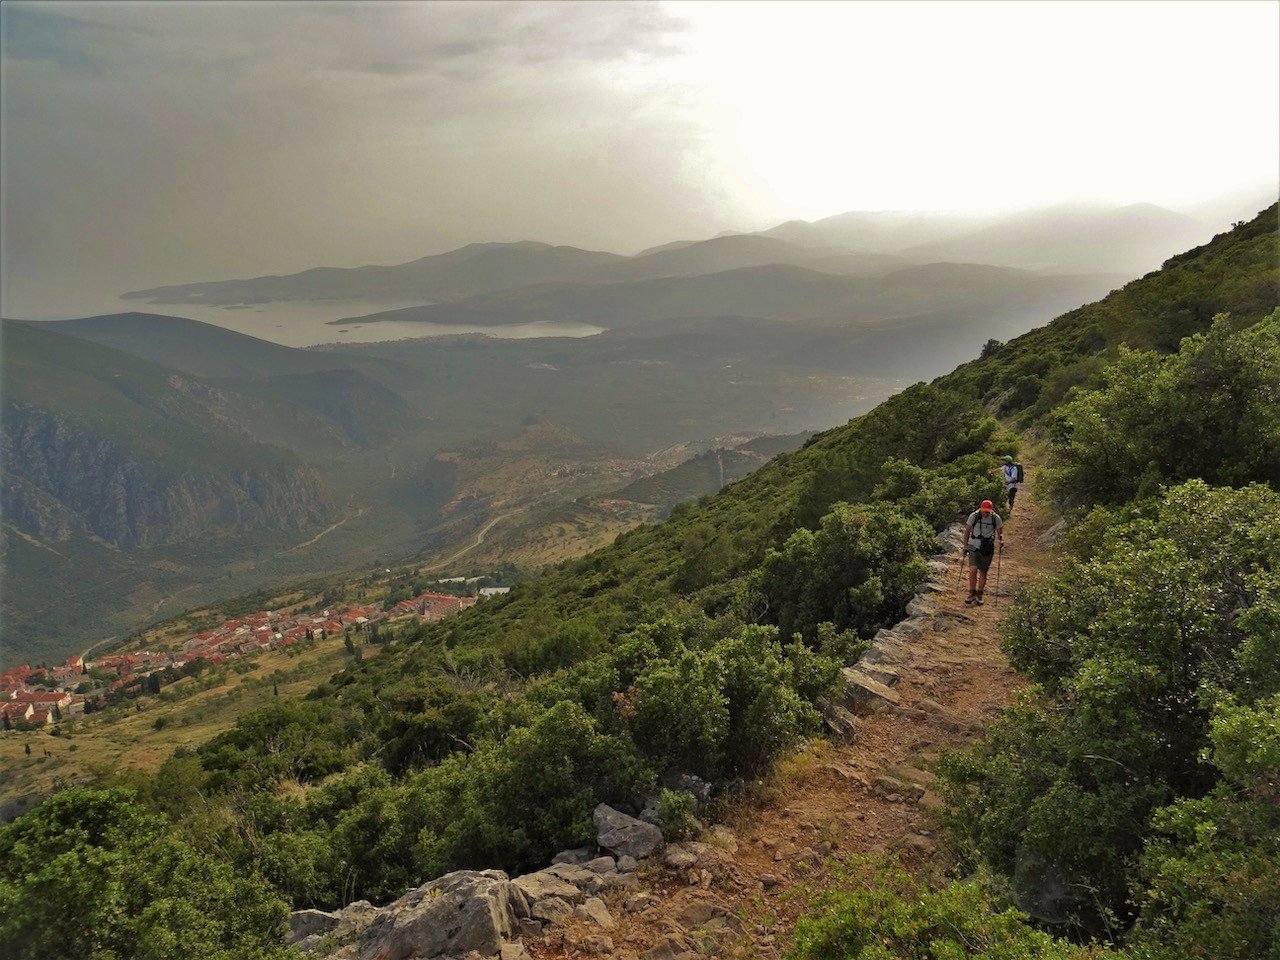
738,892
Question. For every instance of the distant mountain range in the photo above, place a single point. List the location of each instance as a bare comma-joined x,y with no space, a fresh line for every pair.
1058,240
775,292
477,268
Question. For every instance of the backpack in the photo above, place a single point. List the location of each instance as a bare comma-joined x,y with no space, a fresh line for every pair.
1020,474
986,545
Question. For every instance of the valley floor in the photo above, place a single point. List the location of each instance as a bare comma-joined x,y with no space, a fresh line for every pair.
833,801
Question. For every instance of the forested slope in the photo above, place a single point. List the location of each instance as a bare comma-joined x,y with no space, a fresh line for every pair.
701,644
1130,797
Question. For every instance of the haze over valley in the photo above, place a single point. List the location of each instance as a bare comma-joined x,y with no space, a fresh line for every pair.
260,329
183,461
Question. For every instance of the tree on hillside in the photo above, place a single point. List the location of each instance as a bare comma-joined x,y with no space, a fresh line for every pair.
1211,411
90,875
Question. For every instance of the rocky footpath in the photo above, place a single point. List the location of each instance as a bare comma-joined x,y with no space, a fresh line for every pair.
868,685
632,895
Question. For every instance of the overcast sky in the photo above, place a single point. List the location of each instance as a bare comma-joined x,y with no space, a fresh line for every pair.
164,142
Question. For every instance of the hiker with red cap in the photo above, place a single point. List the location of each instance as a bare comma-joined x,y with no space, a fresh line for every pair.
981,531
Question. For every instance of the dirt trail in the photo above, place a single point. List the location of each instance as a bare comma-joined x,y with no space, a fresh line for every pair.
833,800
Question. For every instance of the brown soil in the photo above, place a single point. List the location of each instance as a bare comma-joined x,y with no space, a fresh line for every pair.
833,800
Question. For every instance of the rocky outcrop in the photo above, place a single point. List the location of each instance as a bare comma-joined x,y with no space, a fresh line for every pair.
481,913
62,478
624,835
862,691
311,930
461,912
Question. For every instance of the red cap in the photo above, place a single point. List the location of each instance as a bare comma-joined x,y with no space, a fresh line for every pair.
986,506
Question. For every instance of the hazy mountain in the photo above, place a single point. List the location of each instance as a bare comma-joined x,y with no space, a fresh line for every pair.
1080,238
878,232
332,387
713,256
489,268
477,268
1075,239
1068,238
776,292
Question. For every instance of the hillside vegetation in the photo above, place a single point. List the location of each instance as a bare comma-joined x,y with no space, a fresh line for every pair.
1138,773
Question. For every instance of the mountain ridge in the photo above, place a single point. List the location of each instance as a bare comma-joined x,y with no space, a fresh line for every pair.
1110,238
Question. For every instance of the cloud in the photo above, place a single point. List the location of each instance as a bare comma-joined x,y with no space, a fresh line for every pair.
150,143
162,142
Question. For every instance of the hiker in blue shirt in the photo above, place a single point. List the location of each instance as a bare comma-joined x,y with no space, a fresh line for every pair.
1011,470
981,531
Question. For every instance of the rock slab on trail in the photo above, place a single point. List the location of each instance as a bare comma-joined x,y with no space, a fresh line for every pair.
864,692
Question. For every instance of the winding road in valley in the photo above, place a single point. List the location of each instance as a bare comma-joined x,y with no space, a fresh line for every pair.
475,541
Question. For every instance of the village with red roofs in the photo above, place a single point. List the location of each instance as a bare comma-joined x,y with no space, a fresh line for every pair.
34,697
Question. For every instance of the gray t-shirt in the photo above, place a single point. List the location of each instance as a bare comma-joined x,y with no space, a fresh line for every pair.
984,525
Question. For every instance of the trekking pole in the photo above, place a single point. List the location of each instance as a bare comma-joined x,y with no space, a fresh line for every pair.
960,575
999,554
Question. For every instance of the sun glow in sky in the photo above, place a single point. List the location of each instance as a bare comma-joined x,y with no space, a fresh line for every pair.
817,108
150,143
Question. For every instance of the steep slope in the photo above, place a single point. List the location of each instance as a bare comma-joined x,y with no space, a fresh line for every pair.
684,621
704,646
868,795
107,456
133,452
477,268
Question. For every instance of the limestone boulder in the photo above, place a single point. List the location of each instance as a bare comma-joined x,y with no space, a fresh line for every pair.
594,911
310,923
625,836
543,884
458,913
840,722
312,930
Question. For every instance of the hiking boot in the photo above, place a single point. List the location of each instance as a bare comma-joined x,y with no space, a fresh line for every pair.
978,599
972,599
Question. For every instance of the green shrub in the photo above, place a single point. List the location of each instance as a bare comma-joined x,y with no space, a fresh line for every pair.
1140,430
725,710
1129,649
856,572
676,815
884,914
1210,873
90,875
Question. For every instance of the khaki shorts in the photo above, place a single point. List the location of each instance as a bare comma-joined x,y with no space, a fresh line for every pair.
976,559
